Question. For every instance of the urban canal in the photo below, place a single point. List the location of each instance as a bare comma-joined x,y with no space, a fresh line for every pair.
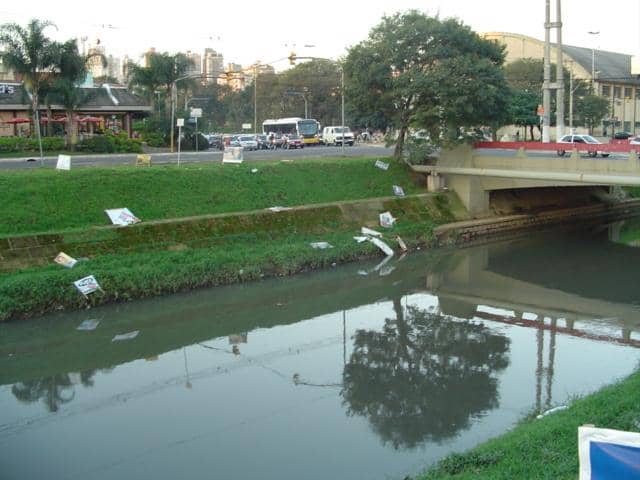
367,371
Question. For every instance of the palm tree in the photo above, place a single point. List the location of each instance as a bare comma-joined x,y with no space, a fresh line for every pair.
72,68
33,57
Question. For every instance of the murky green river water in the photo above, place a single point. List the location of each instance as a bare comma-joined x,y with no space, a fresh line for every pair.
361,372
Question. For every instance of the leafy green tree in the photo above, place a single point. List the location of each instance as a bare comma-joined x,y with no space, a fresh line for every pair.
32,56
523,109
591,110
423,72
72,70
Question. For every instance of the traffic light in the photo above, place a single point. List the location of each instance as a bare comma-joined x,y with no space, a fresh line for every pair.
292,58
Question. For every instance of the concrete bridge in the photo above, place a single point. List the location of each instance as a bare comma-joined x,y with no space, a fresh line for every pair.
476,173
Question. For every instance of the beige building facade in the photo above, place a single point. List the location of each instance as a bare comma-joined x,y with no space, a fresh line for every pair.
610,73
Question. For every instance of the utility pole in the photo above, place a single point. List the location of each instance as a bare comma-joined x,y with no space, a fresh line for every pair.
547,86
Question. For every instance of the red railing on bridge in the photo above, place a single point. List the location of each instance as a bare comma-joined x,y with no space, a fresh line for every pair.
567,147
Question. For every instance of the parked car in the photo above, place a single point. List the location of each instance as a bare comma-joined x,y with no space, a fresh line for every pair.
635,141
587,139
248,142
294,141
622,135
215,141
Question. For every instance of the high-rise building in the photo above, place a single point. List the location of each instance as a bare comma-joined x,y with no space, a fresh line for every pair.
212,65
196,63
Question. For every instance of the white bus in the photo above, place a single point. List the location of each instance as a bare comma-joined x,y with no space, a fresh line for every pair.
307,128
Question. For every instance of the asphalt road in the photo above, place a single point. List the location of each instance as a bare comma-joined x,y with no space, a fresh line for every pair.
197,157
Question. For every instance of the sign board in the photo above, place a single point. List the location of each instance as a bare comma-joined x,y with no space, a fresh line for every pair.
196,112
232,155
180,122
7,89
64,162
246,126
87,285
606,453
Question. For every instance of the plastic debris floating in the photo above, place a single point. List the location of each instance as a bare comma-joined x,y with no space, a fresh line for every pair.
125,336
88,325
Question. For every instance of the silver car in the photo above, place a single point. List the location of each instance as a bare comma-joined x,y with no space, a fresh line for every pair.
248,142
586,139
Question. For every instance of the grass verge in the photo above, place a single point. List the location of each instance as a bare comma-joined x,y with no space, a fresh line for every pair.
546,448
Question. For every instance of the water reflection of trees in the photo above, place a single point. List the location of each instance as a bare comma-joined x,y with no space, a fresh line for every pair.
54,391
423,377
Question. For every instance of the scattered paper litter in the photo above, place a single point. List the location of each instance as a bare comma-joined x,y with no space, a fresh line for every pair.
403,246
321,245
254,170
382,165
87,285
387,220
125,336
278,209
361,239
398,191
382,246
65,260
64,162
89,324
122,216
371,233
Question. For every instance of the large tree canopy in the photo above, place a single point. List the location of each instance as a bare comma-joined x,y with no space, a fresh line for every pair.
423,72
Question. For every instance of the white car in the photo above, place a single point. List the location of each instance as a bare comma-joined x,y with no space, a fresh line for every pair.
248,142
634,141
587,139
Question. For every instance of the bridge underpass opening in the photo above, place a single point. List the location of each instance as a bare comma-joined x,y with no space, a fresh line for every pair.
539,199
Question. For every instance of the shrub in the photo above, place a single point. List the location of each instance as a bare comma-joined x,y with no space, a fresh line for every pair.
109,143
27,144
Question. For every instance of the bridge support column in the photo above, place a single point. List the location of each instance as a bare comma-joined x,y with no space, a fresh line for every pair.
471,193
434,182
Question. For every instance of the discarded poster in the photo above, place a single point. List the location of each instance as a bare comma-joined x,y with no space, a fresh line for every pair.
371,233
232,155
65,260
64,162
607,453
398,191
278,209
87,285
387,220
361,239
321,245
122,216
87,325
382,165
382,246
403,246
125,336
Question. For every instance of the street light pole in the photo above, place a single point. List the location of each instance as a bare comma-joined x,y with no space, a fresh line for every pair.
342,101
593,64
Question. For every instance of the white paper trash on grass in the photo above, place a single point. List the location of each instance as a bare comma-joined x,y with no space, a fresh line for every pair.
65,260
382,246
122,216
361,239
606,453
64,162
398,191
88,325
278,209
321,245
382,165
87,285
125,336
369,232
387,220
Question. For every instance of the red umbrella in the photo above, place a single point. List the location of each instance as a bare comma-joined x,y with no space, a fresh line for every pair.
17,120
90,119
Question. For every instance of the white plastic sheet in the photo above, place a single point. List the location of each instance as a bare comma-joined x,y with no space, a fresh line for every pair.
321,245
369,232
125,336
88,325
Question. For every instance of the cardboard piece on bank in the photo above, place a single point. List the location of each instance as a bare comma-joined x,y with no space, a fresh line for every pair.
387,220
64,162
122,216
65,260
382,165
87,285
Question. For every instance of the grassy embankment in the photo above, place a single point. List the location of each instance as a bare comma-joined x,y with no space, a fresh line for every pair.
72,204
546,448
